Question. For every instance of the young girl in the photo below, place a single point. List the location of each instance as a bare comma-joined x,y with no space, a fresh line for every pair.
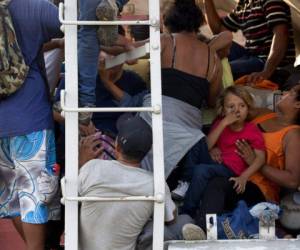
233,108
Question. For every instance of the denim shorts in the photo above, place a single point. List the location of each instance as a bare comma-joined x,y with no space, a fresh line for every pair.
28,181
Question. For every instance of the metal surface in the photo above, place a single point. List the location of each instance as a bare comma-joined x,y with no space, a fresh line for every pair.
70,108
234,245
71,124
62,7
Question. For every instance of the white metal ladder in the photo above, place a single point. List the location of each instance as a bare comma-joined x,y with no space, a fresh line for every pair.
69,98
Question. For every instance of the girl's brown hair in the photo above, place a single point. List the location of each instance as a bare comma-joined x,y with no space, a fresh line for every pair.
239,91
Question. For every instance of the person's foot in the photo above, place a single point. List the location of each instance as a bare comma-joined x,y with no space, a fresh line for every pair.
179,192
107,10
193,232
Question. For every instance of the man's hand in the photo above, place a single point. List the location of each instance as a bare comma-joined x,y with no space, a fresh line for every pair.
245,151
90,148
256,77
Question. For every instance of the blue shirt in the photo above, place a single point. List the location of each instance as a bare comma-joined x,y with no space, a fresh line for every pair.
129,82
28,110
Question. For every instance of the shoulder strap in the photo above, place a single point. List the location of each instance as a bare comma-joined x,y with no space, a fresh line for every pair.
263,118
174,50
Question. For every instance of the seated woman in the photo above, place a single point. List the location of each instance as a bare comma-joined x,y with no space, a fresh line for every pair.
281,133
191,75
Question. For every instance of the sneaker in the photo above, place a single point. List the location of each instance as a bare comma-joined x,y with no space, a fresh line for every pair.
179,192
107,10
193,232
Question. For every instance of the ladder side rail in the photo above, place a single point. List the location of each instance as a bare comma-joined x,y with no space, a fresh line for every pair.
157,126
71,125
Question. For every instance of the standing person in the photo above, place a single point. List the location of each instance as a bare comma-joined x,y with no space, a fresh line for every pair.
89,46
266,24
233,106
117,224
27,151
281,133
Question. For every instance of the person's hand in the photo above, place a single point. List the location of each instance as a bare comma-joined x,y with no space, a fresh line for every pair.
245,151
239,184
90,148
215,154
230,118
87,130
256,77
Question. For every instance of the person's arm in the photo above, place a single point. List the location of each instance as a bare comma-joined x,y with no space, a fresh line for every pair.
214,77
214,135
258,162
289,177
277,52
212,17
57,43
221,43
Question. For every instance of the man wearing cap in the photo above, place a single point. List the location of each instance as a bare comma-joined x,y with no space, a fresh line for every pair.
117,225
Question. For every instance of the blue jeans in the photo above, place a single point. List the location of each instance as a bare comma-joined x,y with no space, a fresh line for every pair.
203,173
88,51
198,154
242,62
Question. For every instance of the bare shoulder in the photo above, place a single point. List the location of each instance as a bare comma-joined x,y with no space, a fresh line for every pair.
292,138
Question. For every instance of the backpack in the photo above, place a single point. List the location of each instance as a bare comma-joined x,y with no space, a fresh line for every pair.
13,70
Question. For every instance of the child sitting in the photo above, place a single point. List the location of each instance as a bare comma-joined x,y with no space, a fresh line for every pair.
233,107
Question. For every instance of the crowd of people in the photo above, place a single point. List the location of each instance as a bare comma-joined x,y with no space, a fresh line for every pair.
246,153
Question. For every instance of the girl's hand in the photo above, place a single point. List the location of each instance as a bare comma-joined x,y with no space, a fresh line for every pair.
215,154
230,118
245,151
239,184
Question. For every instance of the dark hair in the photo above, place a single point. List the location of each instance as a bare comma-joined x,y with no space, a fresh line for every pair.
139,32
183,15
132,155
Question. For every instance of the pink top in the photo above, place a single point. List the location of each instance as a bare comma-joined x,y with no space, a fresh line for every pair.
226,144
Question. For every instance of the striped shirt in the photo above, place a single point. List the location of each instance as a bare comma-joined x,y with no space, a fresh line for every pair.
256,19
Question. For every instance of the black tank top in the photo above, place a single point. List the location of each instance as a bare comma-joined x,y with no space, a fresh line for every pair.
184,86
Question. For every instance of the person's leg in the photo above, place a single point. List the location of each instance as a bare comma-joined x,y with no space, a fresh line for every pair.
37,183
245,66
88,51
18,226
34,235
203,173
174,231
236,51
252,195
215,199
198,154
171,232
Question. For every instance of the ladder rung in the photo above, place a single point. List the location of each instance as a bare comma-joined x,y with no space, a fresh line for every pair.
102,199
136,22
155,109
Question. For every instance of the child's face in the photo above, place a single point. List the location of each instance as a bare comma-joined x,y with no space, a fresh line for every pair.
236,105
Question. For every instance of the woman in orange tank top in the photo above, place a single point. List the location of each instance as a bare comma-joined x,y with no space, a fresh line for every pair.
281,132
